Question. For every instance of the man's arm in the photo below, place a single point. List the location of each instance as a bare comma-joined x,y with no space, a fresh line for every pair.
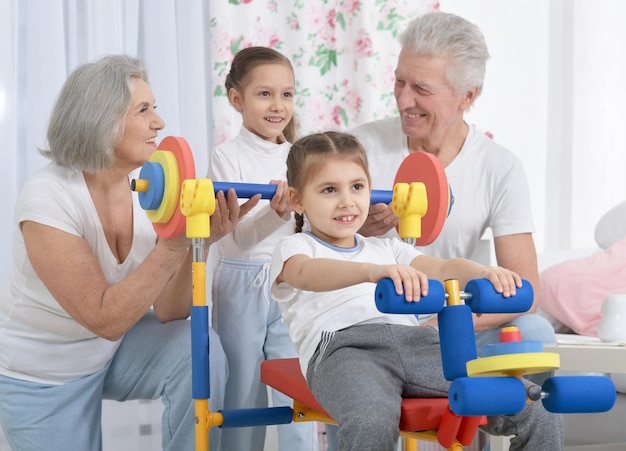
517,253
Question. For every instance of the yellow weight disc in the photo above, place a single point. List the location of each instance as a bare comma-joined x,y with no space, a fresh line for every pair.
171,187
523,363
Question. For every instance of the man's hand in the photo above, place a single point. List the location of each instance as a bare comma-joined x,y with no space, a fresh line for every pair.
379,220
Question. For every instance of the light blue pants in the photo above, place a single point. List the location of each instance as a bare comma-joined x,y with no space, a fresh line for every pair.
252,330
533,328
153,361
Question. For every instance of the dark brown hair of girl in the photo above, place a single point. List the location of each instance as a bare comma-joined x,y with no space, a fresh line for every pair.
248,59
308,155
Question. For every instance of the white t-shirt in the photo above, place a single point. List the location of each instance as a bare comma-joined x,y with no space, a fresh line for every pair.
250,159
40,341
310,313
487,181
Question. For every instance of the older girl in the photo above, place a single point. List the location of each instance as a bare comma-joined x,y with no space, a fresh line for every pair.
261,87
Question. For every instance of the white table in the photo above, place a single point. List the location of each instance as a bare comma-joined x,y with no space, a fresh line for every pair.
589,354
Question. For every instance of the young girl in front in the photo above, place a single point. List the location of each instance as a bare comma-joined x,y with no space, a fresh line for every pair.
260,86
359,362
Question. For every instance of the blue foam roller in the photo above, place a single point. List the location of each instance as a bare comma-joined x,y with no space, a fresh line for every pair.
485,299
579,394
256,417
388,301
458,342
487,396
153,173
200,379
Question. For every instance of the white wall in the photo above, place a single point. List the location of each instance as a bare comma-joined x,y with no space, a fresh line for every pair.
554,96
599,114
513,105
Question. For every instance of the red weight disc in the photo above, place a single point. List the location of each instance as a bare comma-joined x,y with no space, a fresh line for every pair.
187,170
426,168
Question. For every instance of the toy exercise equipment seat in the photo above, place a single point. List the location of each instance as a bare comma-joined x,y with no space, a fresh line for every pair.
426,418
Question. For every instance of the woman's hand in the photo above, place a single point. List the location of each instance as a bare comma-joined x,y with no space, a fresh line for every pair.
380,220
228,212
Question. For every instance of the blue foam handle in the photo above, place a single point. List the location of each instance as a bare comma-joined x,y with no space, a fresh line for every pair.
256,417
388,301
469,396
579,394
458,342
200,378
485,299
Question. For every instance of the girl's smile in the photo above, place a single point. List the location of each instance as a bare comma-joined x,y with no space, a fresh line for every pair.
336,201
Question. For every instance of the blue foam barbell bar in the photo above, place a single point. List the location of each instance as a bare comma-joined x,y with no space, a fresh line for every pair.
247,190
487,396
388,301
579,394
485,299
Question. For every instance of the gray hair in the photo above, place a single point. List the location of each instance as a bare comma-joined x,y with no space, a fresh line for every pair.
450,36
89,115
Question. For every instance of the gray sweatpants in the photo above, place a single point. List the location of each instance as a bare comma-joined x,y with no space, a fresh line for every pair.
360,375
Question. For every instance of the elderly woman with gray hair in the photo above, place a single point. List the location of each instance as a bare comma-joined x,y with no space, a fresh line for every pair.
96,304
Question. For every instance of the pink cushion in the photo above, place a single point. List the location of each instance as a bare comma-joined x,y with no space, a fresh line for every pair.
573,291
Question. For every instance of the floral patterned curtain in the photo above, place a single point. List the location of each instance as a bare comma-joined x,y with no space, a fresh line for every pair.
344,53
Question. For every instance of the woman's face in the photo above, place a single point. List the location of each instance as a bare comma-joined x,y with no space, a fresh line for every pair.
141,128
427,104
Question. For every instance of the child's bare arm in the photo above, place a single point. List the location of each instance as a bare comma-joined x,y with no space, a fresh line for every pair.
323,274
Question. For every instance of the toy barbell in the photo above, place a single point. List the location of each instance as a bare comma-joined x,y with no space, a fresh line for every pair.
421,197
